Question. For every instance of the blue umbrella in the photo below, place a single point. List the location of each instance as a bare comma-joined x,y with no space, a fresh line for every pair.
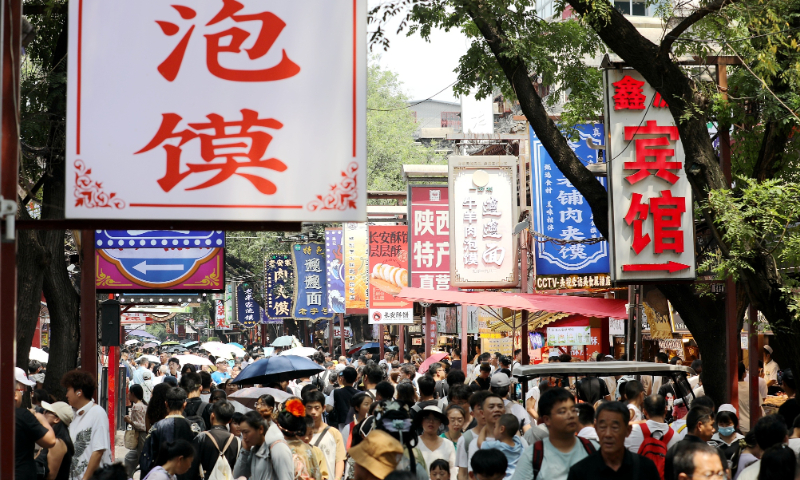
141,333
277,369
236,345
189,344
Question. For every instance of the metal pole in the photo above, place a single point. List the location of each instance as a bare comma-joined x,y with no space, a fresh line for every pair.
523,242
428,332
88,304
639,317
753,354
401,342
464,339
631,324
9,153
111,408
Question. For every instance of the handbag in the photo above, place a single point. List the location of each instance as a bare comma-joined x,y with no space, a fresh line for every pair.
131,440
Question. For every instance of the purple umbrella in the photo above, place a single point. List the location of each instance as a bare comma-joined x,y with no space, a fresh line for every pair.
141,333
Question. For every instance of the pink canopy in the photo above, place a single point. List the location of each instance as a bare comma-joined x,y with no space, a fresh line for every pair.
532,302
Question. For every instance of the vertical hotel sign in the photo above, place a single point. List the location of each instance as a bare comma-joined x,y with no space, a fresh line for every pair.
483,212
388,258
430,238
652,225
356,265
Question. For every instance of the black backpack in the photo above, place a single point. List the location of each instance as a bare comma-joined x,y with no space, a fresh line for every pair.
197,421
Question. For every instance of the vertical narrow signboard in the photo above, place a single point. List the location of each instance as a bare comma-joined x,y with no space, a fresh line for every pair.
310,288
650,197
279,278
388,257
429,240
334,265
356,259
247,308
483,212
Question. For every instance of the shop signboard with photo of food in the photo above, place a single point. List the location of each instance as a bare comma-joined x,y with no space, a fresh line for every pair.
388,259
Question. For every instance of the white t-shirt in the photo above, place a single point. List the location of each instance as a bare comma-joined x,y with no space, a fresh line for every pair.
771,371
794,444
445,452
329,445
657,430
555,463
89,433
636,414
762,385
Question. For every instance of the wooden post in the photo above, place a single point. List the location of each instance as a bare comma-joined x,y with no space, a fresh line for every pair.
401,342
754,354
341,332
464,339
331,337
9,153
88,304
429,335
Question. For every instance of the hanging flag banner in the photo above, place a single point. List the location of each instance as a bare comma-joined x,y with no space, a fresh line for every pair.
220,319
334,265
310,287
246,307
278,283
356,261
429,233
145,140
158,238
483,213
560,211
388,259
650,198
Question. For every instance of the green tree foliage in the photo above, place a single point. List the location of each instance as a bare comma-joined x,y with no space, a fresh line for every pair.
390,131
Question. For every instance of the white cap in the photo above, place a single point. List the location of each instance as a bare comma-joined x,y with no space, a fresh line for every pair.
727,407
19,375
768,349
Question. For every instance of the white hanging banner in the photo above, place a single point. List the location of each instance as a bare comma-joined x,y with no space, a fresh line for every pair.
200,110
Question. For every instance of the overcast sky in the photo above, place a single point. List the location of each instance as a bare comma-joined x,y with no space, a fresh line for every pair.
424,68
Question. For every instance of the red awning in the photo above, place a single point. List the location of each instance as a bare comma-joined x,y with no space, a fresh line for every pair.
587,306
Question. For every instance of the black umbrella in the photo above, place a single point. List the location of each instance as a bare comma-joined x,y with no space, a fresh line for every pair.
277,369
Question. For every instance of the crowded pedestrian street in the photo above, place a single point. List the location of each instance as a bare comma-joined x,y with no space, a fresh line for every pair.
399,240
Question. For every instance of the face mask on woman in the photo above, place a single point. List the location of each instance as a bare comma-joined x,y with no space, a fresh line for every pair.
726,431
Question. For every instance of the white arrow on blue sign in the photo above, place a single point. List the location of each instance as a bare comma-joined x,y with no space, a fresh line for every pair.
158,266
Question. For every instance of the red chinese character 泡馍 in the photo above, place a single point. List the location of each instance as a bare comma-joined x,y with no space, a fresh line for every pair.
629,94
653,148
218,145
666,211
271,27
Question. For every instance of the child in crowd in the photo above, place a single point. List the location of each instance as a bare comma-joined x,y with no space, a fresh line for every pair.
487,465
440,470
505,440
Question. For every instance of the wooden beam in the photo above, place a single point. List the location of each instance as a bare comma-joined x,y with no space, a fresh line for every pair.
84,224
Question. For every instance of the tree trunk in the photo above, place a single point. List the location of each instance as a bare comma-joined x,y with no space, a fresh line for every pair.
31,263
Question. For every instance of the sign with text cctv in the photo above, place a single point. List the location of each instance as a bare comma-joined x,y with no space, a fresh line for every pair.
388,258
483,212
652,226
146,140
430,238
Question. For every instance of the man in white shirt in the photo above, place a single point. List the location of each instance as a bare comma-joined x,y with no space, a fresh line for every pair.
586,423
770,367
501,386
462,446
89,428
137,378
655,407
634,393
744,400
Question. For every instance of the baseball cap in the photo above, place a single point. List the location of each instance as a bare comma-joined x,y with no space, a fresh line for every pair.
500,379
379,453
768,349
61,410
553,353
221,360
19,375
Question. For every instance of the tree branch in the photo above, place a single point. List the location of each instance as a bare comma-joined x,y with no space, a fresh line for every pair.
687,22
773,144
547,131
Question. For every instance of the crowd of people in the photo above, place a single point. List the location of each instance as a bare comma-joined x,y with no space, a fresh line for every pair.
369,418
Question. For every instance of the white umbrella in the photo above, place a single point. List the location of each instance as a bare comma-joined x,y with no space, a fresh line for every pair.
300,351
150,358
39,355
132,342
222,349
285,341
193,360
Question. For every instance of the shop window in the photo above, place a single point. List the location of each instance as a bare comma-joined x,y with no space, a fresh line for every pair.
631,7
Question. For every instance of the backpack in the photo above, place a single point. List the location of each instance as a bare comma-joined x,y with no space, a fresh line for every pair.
538,453
198,424
300,470
147,459
222,469
655,448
